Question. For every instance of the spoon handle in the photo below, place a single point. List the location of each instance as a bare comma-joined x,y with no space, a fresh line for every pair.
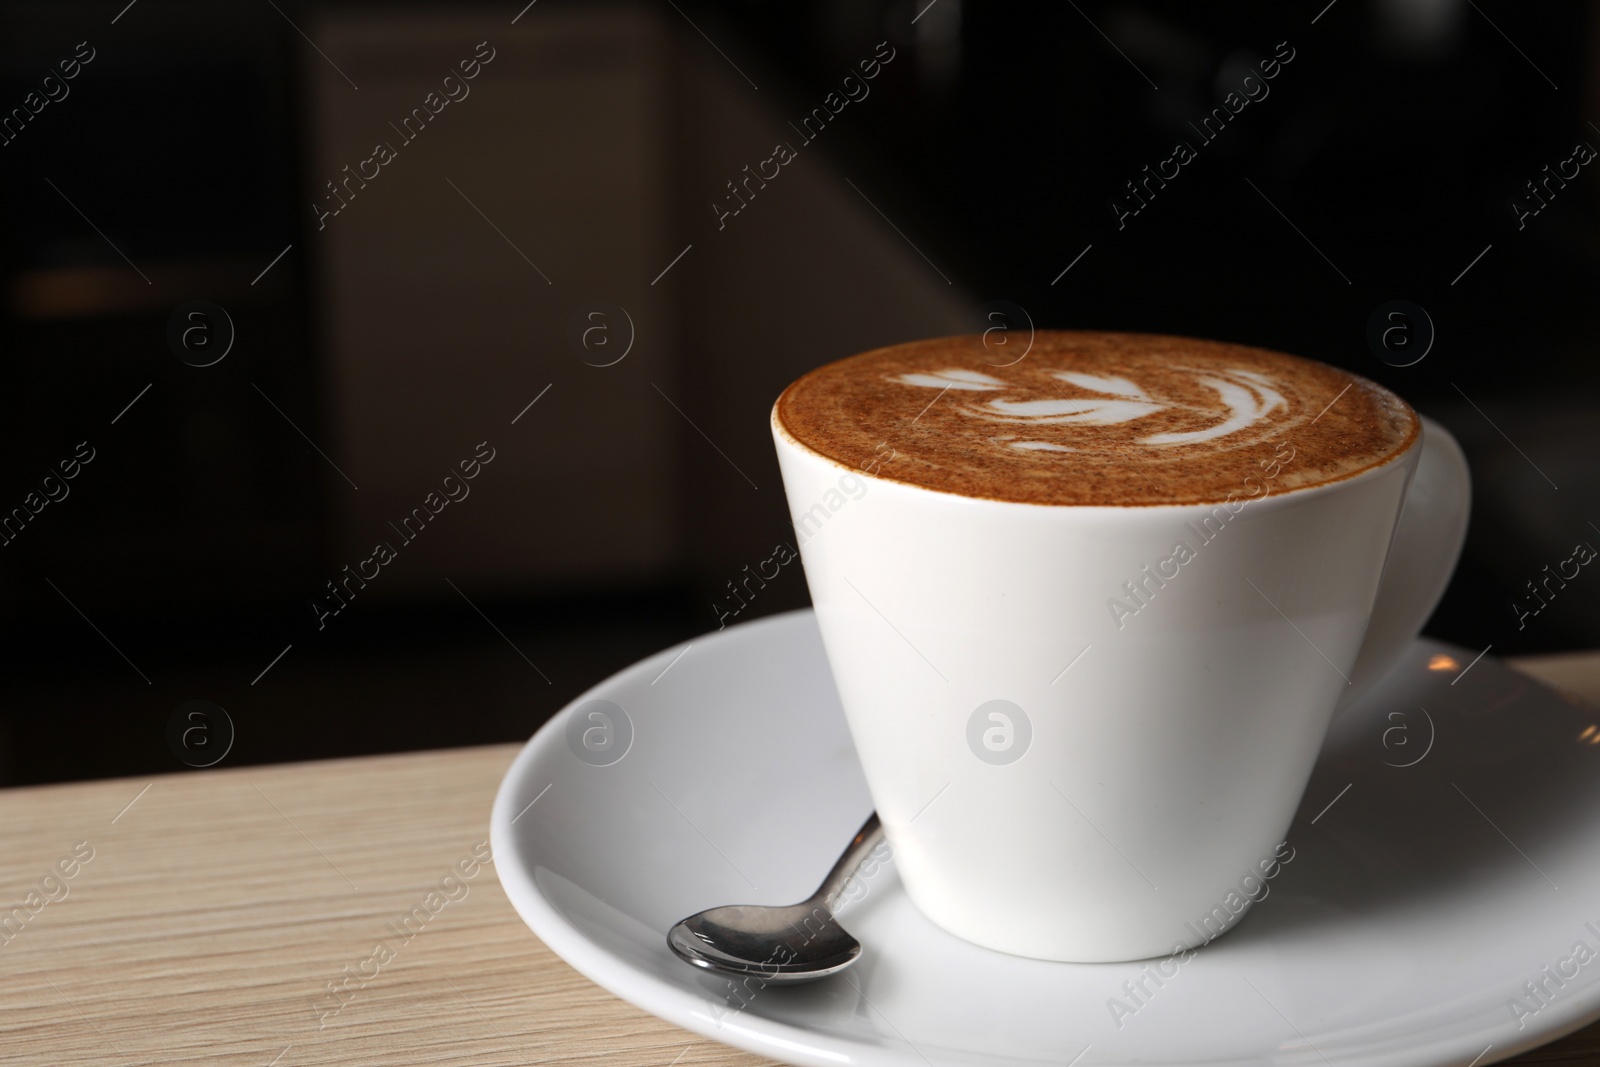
865,841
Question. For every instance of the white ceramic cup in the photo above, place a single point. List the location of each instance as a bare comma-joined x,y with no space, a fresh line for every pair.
1066,781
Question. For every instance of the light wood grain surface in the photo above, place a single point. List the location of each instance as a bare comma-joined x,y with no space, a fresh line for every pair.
216,908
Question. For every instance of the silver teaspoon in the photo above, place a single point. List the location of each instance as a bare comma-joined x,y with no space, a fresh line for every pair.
783,945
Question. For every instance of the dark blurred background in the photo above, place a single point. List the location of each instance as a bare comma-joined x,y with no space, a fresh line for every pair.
167,152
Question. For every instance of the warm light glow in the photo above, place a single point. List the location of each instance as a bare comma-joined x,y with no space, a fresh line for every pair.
1585,735
1595,740
1443,663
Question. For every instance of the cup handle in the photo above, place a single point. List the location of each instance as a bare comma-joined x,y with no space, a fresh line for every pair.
1427,543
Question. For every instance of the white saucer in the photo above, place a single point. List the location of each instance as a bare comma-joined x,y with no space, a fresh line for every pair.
1419,901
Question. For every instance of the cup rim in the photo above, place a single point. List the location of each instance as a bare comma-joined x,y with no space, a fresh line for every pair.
782,436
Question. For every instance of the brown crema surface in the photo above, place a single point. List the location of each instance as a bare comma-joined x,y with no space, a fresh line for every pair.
1092,418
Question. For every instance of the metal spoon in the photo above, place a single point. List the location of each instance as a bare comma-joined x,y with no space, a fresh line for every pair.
783,945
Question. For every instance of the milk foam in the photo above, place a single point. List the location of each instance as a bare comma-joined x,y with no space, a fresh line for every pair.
1245,400
1096,418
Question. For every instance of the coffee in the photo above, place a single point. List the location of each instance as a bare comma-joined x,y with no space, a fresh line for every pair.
1090,418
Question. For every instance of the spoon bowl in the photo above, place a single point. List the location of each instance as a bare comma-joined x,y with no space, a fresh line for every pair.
782,945
799,943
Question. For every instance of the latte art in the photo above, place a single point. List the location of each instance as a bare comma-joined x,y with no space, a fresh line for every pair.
1245,399
1095,418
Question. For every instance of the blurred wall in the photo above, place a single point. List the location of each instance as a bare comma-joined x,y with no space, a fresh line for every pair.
574,177
455,285
806,273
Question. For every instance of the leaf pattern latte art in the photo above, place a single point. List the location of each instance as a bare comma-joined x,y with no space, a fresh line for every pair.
1245,400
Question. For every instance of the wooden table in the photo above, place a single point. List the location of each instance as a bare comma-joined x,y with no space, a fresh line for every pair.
219,906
